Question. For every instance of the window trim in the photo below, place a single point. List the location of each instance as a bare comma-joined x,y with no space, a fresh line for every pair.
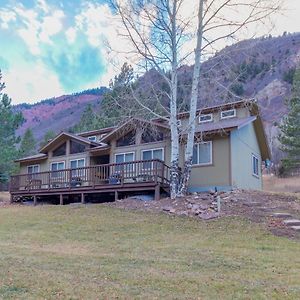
253,156
123,153
77,159
210,163
228,117
92,138
205,121
36,165
57,162
153,149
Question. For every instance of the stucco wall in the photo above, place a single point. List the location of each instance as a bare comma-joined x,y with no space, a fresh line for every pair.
243,145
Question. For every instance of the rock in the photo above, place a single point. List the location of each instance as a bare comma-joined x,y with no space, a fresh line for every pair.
281,215
204,206
209,216
182,213
292,222
189,206
172,211
167,208
297,228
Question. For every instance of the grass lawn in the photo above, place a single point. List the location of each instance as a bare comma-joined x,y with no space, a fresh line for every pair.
98,252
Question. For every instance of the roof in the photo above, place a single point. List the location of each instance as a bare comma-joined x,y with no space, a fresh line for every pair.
35,157
62,136
97,132
229,124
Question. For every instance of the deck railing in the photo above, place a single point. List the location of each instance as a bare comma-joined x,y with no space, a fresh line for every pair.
134,172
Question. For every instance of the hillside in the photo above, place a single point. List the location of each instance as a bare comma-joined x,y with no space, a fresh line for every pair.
258,68
59,113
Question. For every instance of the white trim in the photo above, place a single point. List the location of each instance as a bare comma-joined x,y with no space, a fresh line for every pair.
179,123
228,117
205,121
153,149
123,153
77,159
32,166
92,138
211,154
252,165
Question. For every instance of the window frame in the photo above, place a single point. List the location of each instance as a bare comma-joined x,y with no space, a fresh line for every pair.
255,157
205,121
32,166
77,172
56,172
211,154
120,164
152,150
228,117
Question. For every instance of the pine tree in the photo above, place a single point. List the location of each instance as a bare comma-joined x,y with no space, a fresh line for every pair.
49,135
88,121
9,123
28,144
290,128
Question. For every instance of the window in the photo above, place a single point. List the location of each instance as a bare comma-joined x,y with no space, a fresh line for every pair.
61,150
123,158
76,147
226,114
126,140
152,154
205,118
92,138
151,136
202,154
55,167
255,166
33,170
75,164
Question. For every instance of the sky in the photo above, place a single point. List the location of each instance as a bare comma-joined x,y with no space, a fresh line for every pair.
51,48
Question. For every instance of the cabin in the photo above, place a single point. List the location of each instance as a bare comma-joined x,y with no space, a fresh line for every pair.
230,147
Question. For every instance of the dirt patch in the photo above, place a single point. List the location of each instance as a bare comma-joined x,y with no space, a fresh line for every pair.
257,206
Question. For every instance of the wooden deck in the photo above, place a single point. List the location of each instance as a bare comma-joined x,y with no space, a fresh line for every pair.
146,175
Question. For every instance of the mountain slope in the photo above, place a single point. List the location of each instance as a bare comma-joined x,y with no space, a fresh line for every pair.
59,113
258,68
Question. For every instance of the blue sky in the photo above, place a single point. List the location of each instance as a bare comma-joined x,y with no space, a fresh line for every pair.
50,48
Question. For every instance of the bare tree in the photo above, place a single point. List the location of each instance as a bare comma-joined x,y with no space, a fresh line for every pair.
166,34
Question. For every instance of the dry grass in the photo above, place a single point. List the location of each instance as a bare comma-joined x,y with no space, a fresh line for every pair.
99,252
281,185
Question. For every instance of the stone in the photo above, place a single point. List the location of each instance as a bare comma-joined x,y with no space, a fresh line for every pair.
167,208
297,228
281,215
172,211
209,216
292,222
189,206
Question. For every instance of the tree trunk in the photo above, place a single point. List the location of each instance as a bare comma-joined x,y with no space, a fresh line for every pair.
174,176
188,158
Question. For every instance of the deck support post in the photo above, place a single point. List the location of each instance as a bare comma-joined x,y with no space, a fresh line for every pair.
82,198
116,196
34,200
11,200
157,192
61,199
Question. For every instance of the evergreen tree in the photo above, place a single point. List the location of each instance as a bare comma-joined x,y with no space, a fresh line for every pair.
9,123
28,144
88,121
290,128
49,135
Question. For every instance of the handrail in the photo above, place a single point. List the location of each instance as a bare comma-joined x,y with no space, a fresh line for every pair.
153,170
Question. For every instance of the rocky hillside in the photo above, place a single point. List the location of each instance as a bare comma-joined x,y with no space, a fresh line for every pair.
59,113
258,68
